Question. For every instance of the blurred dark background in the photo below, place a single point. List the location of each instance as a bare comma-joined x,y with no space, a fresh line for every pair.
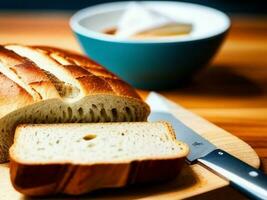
228,6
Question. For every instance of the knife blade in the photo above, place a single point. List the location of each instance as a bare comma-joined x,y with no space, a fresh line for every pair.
242,176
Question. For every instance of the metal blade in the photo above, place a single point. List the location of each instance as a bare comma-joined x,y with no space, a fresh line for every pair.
198,145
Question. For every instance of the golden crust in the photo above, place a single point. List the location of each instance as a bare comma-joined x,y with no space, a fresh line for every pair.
92,78
27,72
72,57
94,84
81,68
12,96
122,88
112,83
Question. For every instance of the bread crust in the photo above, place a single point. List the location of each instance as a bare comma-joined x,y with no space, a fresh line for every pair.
80,67
12,96
44,180
29,73
73,57
112,82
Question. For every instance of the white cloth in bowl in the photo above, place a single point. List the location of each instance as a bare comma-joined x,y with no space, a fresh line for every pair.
138,18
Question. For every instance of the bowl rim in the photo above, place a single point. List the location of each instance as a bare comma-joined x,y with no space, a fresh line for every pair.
83,13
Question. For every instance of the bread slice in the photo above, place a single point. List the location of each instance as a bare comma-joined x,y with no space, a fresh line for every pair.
51,85
79,158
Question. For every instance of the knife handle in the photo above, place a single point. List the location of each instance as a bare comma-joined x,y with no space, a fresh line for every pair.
242,176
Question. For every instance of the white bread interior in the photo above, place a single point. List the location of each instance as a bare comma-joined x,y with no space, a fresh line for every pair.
95,143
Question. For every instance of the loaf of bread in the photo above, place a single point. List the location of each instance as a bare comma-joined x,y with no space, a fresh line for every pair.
49,85
79,158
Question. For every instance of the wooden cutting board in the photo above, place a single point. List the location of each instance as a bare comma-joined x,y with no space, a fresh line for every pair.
193,180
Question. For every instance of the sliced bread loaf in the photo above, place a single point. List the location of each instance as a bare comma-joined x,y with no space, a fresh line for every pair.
49,85
79,158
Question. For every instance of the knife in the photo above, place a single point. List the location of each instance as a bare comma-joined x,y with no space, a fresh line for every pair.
251,181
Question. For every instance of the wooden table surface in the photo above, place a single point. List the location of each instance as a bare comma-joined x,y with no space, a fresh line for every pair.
231,92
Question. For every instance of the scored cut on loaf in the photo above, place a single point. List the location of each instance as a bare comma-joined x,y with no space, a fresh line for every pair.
40,84
79,158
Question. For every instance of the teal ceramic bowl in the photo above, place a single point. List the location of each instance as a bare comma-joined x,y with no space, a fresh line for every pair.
152,63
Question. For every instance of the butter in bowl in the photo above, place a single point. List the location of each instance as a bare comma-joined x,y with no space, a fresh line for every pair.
152,44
